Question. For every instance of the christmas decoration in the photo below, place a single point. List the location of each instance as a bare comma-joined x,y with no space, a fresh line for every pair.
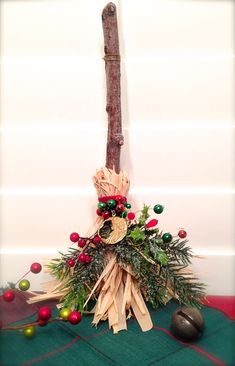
8,295
158,209
187,323
24,285
29,332
35,268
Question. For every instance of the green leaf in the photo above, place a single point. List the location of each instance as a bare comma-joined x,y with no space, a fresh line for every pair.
137,234
162,257
144,214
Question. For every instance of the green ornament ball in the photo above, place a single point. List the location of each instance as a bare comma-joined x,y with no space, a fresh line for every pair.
101,205
124,214
167,237
128,205
111,203
64,313
24,285
29,332
158,209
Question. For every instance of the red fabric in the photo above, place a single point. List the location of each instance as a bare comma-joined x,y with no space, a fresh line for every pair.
226,304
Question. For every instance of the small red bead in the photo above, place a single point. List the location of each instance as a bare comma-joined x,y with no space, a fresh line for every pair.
119,198
74,237
96,239
131,216
8,295
106,215
35,267
81,243
82,258
99,212
74,317
88,259
71,262
120,207
182,234
44,313
151,223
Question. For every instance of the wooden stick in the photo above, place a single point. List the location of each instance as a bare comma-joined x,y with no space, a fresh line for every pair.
112,69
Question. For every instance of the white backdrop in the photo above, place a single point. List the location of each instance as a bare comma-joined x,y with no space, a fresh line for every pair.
178,122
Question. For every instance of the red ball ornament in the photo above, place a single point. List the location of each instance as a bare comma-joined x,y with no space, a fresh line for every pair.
106,215
81,243
131,216
71,262
151,223
120,207
74,237
99,212
119,198
8,295
74,317
35,267
44,313
96,240
88,259
182,234
82,257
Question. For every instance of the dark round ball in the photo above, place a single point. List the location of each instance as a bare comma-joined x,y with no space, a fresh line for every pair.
167,237
187,324
158,209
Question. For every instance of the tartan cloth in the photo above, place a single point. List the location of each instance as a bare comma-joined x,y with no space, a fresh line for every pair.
63,344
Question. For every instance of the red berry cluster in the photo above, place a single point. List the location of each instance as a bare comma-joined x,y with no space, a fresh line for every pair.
113,205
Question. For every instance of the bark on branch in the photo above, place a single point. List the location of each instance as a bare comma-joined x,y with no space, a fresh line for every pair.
112,69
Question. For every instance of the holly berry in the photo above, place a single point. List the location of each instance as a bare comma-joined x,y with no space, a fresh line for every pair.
151,223
64,313
71,262
111,203
96,240
182,234
102,206
24,285
167,237
106,215
120,207
82,257
74,237
128,205
35,267
44,313
74,317
8,295
120,198
158,209
81,243
88,259
131,216
29,332
99,212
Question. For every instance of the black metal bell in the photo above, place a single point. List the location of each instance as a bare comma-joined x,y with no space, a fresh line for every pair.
187,323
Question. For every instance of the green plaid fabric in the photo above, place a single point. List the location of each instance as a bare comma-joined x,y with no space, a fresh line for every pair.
62,344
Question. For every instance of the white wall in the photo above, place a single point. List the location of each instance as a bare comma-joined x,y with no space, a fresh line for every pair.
178,121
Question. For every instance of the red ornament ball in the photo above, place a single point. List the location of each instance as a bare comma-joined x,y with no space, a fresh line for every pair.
8,295
151,223
81,243
182,234
74,237
44,313
96,240
131,216
106,215
88,259
120,207
74,317
35,267
71,262
82,258
99,212
119,198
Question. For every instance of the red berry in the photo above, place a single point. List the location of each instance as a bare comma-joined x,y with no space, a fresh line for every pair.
96,240
74,237
151,223
88,259
82,258
44,313
74,317
9,295
99,212
131,216
81,242
182,234
120,207
119,198
35,267
106,215
71,262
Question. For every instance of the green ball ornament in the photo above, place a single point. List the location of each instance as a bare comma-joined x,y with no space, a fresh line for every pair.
101,205
167,237
24,285
64,313
29,332
128,205
158,209
111,203
124,214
